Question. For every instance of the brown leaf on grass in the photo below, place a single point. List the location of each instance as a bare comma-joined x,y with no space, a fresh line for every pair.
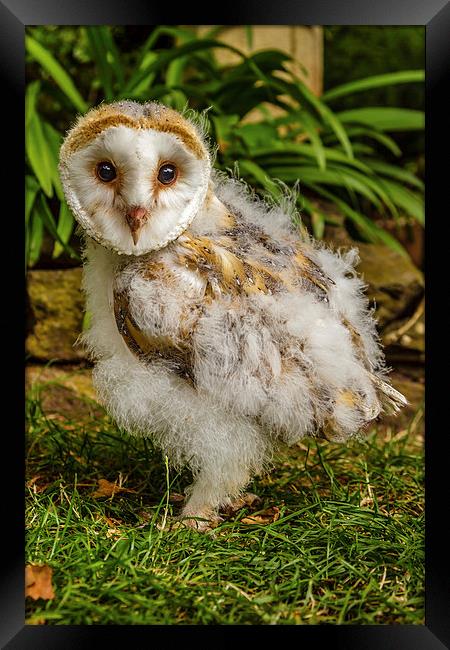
79,459
267,516
108,489
113,527
116,533
246,500
38,582
33,484
175,497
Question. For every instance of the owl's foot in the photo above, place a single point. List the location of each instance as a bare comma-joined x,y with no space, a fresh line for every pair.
245,500
202,520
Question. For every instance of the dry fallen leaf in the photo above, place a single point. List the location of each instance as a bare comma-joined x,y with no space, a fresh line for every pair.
267,516
38,582
79,459
248,500
175,497
108,489
113,527
37,489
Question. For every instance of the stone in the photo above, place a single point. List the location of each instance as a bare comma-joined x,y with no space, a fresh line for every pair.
395,285
55,315
413,388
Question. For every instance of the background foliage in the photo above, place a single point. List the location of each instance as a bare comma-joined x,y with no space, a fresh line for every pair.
346,154
354,53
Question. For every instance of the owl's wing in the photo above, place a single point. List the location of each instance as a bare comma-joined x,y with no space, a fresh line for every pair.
174,350
222,272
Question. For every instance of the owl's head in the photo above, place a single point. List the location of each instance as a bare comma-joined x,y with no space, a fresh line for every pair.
135,175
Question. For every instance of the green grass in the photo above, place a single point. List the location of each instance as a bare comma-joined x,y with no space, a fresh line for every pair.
348,546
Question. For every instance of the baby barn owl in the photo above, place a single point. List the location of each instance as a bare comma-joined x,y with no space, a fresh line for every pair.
215,329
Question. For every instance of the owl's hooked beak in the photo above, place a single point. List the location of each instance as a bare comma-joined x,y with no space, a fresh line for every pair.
136,219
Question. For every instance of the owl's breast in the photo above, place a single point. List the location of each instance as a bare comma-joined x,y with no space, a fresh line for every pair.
157,302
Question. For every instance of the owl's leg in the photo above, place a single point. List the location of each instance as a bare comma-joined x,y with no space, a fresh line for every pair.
201,518
223,472
207,494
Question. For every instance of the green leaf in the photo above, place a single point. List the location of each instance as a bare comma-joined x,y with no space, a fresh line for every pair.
147,56
318,224
328,117
302,93
366,226
377,81
385,119
274,189
31,97
340,178
165,57
245,97
36,147
314,137
223,127
174,75
54,141
404,198
50,226
175,99
64,229
249,36
99,57
283,149
374,183
56,71
257,134
175,72
145,81
378,136
318,218
266,61
31,190
35,238
169,30
252,169
392,171
112,54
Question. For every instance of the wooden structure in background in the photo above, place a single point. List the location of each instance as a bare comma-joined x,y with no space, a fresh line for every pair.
304,44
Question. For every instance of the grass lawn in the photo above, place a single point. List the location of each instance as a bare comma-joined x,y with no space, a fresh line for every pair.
347,546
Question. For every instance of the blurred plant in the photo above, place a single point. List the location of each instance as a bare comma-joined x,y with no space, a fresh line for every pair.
353,53
344,157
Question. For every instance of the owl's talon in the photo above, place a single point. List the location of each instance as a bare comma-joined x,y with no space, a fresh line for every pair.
200,521
245,500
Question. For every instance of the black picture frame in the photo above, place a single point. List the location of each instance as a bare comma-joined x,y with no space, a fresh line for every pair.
14,16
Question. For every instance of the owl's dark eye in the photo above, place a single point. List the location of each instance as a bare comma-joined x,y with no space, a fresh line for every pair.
167,173
106,171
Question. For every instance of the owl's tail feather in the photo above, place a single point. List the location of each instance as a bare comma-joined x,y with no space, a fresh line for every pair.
391,399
